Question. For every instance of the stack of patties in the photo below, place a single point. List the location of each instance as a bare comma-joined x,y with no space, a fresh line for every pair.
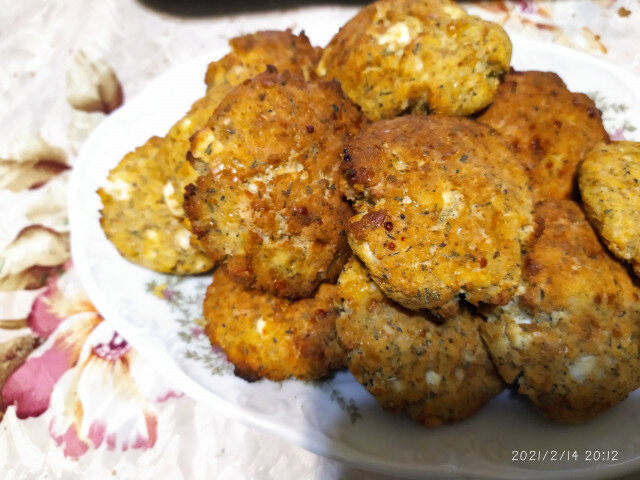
259,159
570,338
443,213
443,208
142,211
444,228
269,204
460,282
452,224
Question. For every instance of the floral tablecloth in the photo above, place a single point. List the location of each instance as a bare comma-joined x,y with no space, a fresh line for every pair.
77,401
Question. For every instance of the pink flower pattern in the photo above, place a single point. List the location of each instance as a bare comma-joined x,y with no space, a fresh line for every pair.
86,374
61,298
617,134
528,6
51,360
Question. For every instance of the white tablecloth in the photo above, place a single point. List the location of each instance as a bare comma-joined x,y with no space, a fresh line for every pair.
38,42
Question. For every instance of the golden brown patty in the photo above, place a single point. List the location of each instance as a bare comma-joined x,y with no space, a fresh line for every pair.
250,55
609,180
271,202
136,219
570,340
416,56
143,214
443,210
409,361
173,158
548,127
265,336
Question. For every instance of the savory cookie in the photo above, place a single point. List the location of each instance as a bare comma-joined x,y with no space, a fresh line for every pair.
250,54
142,200
417,56
270,200
443,210
136,219
549,128
409,361
570,340
173,162
609,180
265,336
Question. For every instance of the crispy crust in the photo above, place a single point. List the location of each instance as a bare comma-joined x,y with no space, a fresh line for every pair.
443,210
549,128
570,341
265,336
409,361
271,200
609,180
142,212
147,223
136,219
174,162
250,54
415,56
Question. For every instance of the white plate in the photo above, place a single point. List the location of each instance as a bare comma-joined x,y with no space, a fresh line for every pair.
337,418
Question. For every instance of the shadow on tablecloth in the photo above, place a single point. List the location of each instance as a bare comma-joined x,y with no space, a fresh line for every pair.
197,8
202,8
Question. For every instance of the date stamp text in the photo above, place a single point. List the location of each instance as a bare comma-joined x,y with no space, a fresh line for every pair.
595,456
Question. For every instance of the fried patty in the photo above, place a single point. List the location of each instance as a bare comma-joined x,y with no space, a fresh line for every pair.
136,219
265,336
142,200
173,159
250,54
609,180
443,210
548,127
409,361
415,56
570,339
271,200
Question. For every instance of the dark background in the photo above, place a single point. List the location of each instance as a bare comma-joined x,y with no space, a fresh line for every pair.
198,8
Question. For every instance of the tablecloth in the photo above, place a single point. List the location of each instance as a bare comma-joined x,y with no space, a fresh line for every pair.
63,67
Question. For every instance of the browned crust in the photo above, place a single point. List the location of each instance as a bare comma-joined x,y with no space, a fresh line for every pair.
437,372
609,180
250,54
548,127
579,353
270,337
443,210
405,56
272,203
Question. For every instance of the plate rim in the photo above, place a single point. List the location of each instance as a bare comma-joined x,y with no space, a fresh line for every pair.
310,440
